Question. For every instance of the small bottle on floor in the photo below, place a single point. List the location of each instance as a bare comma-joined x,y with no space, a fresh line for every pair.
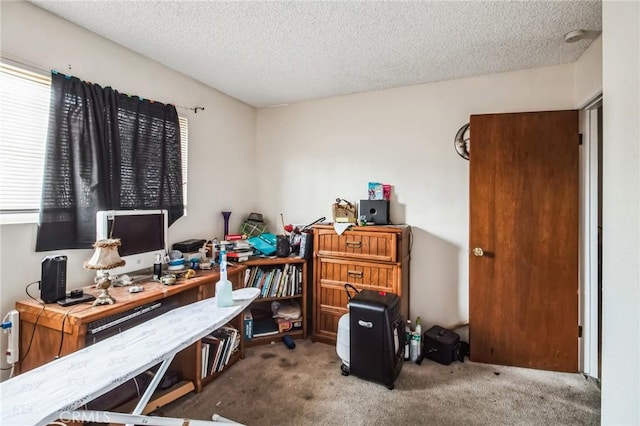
407,343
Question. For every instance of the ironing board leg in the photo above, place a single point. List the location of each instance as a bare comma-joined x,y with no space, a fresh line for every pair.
144,400
136,419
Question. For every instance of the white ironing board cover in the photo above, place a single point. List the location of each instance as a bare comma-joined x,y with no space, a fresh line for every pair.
37,397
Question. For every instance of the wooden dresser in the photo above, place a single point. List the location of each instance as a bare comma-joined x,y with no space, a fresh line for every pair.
367,257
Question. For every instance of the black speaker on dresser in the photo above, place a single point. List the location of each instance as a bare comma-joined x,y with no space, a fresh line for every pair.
53,281
375,211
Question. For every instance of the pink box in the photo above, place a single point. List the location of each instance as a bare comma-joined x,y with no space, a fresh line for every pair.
386,191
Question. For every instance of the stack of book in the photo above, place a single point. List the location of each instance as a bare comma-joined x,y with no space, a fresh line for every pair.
240,251
262,322
217,349
264,326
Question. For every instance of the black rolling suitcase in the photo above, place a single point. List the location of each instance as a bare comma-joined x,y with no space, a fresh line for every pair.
376,337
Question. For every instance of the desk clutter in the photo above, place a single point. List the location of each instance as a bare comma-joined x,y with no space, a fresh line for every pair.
254,240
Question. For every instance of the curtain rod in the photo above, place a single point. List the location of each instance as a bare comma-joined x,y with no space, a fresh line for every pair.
20,61
194,109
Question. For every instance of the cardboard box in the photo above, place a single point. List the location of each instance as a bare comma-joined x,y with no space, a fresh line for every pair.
247,324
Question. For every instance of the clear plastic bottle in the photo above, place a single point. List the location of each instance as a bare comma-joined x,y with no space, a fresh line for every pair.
157,268
418,332
414,347
224,290
407,343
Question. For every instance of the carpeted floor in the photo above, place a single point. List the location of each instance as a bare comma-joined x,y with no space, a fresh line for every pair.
304,386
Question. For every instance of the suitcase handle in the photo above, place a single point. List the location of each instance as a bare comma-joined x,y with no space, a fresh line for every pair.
346,288
365,324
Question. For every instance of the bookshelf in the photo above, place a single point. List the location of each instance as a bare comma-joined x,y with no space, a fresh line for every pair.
283,280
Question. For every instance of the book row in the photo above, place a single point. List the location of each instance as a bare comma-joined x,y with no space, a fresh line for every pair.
277,281
217,349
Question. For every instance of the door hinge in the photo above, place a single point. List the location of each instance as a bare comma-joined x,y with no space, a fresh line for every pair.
579,331
579,138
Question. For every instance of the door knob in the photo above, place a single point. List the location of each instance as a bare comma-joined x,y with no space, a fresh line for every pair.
478,252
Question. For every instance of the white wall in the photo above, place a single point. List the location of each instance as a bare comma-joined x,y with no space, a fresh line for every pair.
588,74
221,138
621,214
312,152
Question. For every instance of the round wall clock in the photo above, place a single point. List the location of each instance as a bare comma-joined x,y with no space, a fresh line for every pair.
462,141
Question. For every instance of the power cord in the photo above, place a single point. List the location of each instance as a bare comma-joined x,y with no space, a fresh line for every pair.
64,319
33,332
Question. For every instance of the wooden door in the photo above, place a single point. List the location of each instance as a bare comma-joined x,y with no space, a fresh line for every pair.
523,288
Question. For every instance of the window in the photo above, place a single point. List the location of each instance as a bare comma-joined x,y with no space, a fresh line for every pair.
184,144
24,114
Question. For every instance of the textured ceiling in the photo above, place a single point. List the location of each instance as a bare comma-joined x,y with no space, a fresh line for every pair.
268,53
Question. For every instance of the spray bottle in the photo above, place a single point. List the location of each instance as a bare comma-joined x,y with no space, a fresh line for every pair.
418,332
224,290
407,342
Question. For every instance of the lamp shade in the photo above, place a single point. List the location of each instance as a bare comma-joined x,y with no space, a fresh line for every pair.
105,255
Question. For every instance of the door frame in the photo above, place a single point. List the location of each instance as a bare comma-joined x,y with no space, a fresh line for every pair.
588,353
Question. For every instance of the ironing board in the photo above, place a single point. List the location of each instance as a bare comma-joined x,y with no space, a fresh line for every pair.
57,389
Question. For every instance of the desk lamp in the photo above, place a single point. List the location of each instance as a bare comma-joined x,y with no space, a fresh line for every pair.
104,257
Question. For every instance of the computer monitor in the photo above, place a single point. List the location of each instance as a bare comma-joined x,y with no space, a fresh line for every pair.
142,233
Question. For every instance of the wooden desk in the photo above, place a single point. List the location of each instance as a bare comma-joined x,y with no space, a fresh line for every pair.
59,389
56,330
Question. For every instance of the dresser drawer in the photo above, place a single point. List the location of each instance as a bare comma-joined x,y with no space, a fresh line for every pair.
362,275
331,296
358,245
326,327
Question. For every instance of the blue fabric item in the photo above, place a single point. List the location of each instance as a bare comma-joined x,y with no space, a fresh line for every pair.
288,341
265,243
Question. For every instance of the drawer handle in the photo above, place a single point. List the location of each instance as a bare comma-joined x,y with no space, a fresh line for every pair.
355,244
355,273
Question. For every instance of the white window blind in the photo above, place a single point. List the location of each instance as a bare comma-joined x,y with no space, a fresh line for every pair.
184,149
24,113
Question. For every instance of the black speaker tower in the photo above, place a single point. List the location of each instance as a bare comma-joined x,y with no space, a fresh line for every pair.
53,282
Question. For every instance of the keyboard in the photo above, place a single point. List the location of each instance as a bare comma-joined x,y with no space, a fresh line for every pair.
128,319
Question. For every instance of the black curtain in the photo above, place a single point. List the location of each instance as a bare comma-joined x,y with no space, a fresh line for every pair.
105,151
